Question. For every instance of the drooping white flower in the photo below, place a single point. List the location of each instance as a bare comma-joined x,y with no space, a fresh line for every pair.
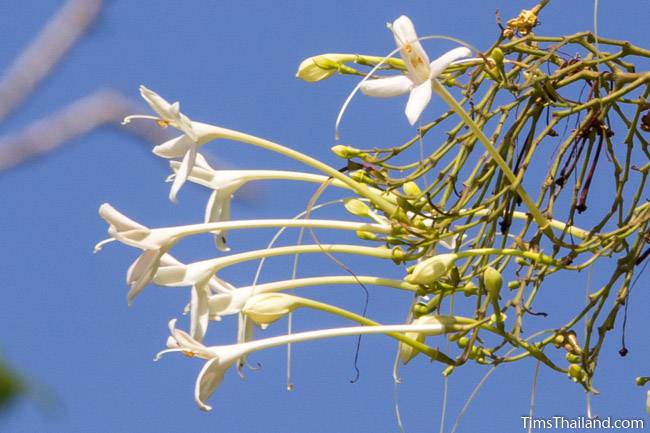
153,242
186,146
419,74
221,358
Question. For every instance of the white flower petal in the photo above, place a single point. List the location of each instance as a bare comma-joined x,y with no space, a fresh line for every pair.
141,272
174,148
439,65
183,172
172,276
387,87
218,209
199,311
414,56
418,100
209,379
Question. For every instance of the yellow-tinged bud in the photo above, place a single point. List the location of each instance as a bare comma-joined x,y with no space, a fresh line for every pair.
266,308
346,152
366,236
463,342
357,207
318,68
406,352
493,318
493,281
361,176
412,189
647,403
497,56
573,358
432,269
576,373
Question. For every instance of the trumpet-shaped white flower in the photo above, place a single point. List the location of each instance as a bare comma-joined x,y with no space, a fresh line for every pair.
420,71
186,146
154,242
221,358
225,183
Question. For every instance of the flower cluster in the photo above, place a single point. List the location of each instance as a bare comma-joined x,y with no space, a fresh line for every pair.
495,255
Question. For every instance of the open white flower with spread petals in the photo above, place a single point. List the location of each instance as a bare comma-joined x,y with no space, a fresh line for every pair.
420,71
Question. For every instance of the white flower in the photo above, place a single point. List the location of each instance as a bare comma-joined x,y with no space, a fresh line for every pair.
221,358
420,72
195,134
154,242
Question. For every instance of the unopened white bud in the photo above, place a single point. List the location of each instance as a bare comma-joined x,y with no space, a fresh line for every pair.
432,269
267,308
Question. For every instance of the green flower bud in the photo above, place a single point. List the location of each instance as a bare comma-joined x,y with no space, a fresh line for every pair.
497,56
576,373
366,236
267,308
521,261
412,189
432,269
493,318
573,358
493,281
642,380
362,177
357,207
318,68
463,342
346,152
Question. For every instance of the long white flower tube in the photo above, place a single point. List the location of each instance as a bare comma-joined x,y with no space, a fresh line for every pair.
221,358
156,242
225,183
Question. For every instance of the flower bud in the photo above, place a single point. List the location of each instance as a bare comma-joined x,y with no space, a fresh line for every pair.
412,189
406,352
346,152
497,56
266,308
357,207
432,269
576,373
318,68
647,403
366,236
493,281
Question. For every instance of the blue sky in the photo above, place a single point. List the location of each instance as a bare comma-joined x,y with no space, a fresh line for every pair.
64,316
